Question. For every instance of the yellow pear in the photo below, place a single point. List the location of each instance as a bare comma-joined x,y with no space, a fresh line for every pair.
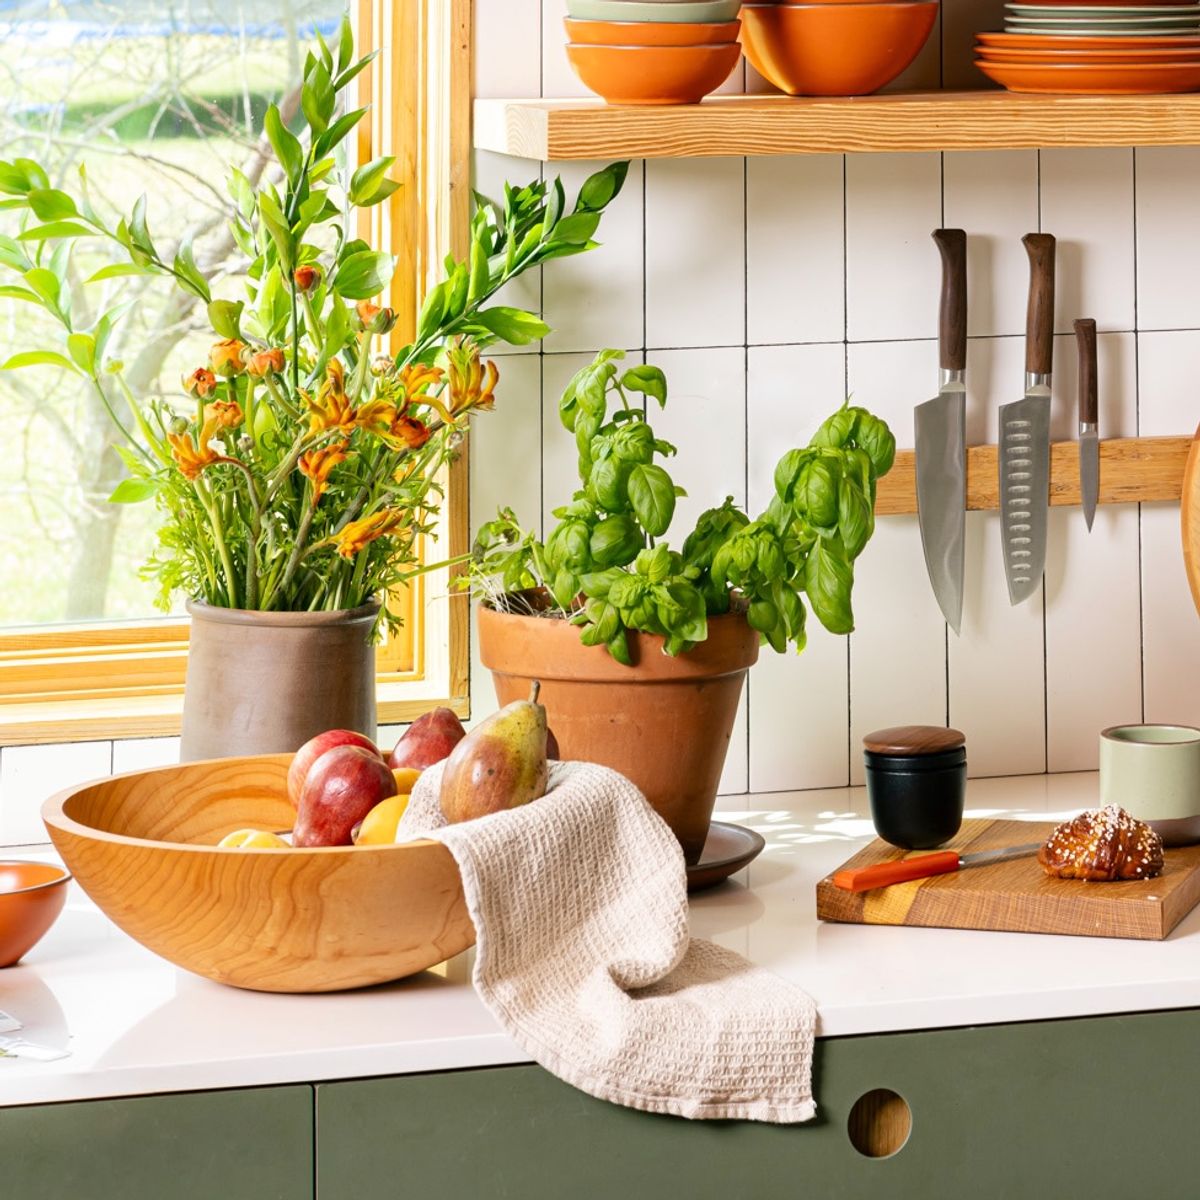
500,764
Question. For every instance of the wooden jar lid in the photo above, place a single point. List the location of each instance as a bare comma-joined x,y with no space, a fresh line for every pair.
913,740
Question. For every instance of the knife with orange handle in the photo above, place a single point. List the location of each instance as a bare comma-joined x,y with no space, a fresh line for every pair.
941,862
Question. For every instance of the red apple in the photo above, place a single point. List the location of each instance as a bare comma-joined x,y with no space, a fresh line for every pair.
428,740
313,749
344,784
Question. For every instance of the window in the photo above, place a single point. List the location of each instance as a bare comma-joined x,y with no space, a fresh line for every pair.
161,98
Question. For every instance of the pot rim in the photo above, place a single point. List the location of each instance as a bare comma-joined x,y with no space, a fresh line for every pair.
202,610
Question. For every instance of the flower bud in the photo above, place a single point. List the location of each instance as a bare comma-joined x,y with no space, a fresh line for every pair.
307,277
201,382
178,426
382,364
265,362
373,319
228,357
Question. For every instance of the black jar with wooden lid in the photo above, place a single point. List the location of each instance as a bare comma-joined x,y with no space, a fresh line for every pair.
916,783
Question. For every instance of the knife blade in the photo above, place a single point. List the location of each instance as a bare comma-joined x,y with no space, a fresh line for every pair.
1025,435
940,862
1089,418
940,426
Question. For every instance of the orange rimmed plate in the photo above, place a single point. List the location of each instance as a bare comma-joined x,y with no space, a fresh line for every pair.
1042,41
651,33
1094,79
998,54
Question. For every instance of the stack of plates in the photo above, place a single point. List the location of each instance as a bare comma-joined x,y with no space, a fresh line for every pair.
1095,48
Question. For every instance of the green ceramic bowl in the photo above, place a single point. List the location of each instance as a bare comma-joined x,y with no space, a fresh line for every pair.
701,11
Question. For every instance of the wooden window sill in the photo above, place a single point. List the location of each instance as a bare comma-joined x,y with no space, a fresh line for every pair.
159,716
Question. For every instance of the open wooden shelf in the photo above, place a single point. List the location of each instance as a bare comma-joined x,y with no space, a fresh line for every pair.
1131,470
559,130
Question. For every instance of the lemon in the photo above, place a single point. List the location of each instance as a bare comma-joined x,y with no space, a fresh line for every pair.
405,777
252,839
378,827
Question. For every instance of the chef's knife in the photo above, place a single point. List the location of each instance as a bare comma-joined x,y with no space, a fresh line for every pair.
1025,434
941,438
1089,417
940,862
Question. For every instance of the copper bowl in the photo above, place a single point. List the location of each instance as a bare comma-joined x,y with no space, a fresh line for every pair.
32,894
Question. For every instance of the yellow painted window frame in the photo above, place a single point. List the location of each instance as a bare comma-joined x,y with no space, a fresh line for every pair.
89,682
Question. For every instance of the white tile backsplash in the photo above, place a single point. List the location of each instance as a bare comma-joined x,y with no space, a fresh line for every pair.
30,775
140,754
1168,237
695,291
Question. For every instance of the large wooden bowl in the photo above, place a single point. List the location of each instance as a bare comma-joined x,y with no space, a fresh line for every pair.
143,846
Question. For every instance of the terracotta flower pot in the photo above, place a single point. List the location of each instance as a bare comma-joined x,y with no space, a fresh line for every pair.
663,722
265,682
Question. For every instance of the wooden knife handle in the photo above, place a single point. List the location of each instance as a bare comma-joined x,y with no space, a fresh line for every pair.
952,316
1089,404
1039,324
863,879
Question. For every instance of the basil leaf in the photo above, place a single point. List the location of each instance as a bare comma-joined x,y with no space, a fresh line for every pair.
607,482
856,517
652,495
648,380
615,541
828,580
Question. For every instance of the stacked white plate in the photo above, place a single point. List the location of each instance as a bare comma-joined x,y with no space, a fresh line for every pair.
1083,20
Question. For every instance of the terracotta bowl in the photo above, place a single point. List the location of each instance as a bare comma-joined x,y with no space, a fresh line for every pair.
834,49
143,846
651,33
32,895
654,74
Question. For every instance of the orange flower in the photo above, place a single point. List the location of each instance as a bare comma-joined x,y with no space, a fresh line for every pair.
365,530
201,382
317,465
306,277
192,457
266,362
220,414
367,312
189,458
228,357
375,415
331,409
409,432
417,378
471,386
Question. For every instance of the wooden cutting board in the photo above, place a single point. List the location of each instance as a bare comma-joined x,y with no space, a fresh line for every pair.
1017,896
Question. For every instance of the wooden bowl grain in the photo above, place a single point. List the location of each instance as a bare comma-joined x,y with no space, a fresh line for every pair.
143,846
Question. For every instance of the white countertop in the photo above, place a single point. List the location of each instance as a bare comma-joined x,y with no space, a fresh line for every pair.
134,1024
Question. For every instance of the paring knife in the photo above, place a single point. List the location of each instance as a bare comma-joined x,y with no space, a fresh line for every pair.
1025,434
1089,418
940,862
941,438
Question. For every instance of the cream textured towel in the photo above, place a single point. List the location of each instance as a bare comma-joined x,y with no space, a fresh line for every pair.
580,907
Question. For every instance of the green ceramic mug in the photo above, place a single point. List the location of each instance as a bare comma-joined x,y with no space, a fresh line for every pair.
1153,772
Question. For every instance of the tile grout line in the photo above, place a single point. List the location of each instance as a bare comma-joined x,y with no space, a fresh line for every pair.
1137,429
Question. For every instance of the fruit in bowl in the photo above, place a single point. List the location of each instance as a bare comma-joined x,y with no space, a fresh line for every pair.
144,848
428,740
304,758
343,785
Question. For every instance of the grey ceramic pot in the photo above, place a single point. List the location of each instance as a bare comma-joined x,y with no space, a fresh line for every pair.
266,682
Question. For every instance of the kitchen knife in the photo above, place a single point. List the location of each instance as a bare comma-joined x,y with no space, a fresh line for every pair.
940,862
1089,417
1025,434
941,438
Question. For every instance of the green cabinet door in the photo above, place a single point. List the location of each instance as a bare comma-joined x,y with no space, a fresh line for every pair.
255,1144
1103,1107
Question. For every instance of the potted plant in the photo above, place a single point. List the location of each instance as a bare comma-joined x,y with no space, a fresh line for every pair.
642,649
298,467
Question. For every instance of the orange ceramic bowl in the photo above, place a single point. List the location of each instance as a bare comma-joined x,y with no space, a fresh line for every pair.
834,49
654,74
651,33
32,894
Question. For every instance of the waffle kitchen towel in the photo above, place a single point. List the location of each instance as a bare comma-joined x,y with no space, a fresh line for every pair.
580,907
